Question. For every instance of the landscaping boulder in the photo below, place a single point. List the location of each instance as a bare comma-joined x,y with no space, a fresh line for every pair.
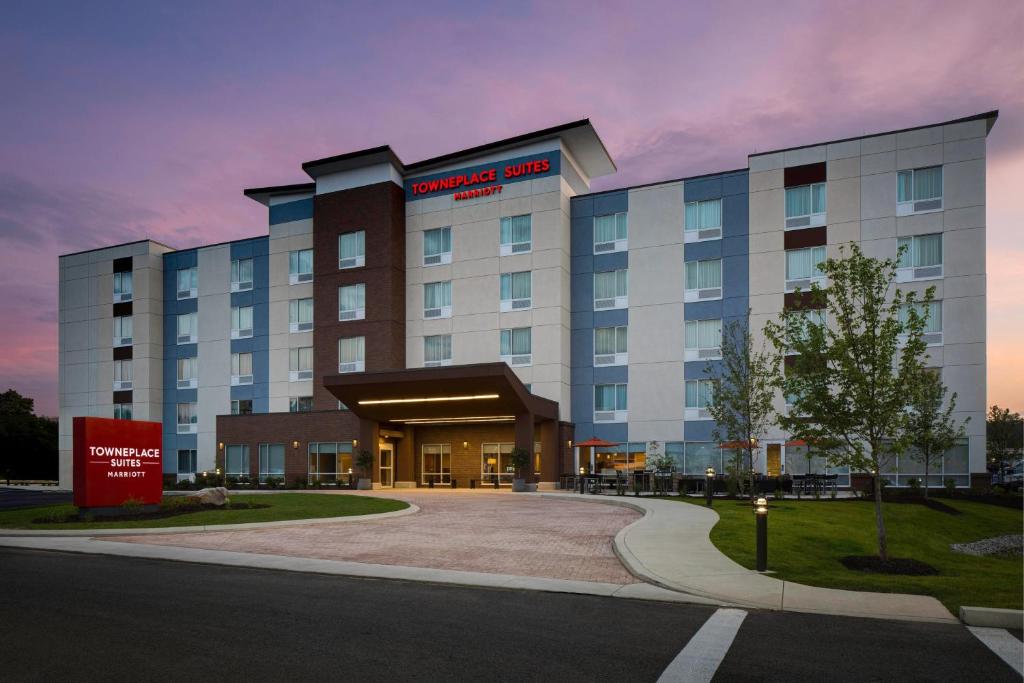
217,495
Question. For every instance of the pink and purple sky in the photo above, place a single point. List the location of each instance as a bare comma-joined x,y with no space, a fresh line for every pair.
121,121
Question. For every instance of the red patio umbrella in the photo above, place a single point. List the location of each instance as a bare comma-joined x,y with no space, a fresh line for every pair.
594,441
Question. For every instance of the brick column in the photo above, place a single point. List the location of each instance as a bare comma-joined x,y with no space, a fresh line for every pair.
525,440
549,451
405,456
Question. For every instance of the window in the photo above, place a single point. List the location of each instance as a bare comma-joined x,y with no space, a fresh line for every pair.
122,330
436,464
516,346
300,364
300,404
437,299
703,280
241,322
610,346
330,462
351,249
300,266
300,315
437,350
272,461
241,368
242,406
352,302
920,258
812,317
351,354
703,221
241,274
188,373
932,312
236,461
611,289
802,267
122,375
188,282
516,291
805,206
919,190
516,234
186,463
496,463
703,339
610,403
699,394
188,418
437,246
187,328
122,286
610,233
122,411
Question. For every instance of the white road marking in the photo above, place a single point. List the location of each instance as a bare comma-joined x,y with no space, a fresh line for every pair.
1002,642
699,660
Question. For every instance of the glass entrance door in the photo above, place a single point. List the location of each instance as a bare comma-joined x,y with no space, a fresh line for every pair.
387,465
774,459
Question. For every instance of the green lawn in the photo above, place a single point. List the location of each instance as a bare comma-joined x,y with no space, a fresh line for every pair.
807,538
282,506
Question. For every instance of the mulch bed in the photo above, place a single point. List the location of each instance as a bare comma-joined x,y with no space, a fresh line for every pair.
164,512
894,565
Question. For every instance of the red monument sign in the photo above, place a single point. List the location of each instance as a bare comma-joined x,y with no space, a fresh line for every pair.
117,460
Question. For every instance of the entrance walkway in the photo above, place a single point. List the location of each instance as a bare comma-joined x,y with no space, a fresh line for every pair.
495,533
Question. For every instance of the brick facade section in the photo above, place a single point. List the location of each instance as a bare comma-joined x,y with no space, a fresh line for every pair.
284,428
379,210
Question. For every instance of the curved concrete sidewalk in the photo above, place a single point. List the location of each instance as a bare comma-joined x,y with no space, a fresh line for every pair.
135,531
670,546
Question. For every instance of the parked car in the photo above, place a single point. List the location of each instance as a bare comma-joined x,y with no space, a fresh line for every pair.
1011,476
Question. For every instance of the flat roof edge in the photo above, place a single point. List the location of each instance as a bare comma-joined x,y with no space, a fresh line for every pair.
992,115
115,246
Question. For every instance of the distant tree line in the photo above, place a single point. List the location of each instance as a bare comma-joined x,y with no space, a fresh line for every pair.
28,442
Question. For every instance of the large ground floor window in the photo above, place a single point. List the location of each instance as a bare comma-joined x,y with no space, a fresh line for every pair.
236,461
330,462
624,458
186,463
496,463
954,464
271,461
436,464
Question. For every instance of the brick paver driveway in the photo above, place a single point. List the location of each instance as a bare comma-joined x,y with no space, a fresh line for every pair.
499,533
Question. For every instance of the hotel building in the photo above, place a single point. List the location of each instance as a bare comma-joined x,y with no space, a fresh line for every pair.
440,313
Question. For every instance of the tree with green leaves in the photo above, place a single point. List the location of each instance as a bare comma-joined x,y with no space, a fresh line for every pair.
1003,435
847,371
28,442
929,430
741,403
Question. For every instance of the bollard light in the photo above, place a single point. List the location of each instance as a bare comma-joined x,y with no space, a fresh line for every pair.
583,482
709,485
761,515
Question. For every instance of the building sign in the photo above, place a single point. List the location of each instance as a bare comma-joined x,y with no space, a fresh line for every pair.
484,180
116,460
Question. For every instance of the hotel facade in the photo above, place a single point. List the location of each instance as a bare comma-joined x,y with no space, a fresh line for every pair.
440,313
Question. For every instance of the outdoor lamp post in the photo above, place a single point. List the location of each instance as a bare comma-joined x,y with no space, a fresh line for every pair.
709,485
583,470
761,514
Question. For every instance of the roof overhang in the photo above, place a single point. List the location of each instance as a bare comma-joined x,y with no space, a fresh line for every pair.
263,195
462,394
346,162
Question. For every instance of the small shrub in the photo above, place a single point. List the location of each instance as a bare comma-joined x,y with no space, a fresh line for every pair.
833,493
779,494
915,485
299,483
950,485
131,506
273,482
732,486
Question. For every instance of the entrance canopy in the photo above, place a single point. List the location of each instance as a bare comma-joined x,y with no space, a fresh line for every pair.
462,394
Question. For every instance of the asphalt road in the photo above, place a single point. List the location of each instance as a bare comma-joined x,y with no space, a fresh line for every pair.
87,617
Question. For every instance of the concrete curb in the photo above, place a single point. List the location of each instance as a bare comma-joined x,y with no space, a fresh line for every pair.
992,617
636,591
129,531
